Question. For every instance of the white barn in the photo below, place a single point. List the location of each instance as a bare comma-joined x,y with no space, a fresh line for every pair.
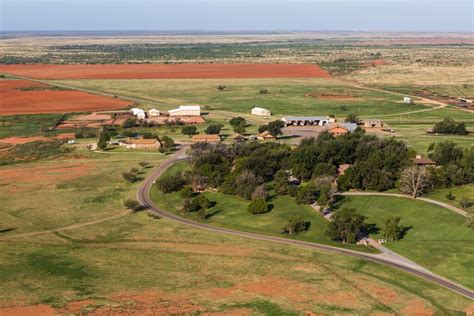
260,111
186,110
153,113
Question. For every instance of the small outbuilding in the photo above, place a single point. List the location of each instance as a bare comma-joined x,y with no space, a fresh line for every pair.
420,161
342,128
266,136
407,100
239,138
373,123
205,138
153,113
260,111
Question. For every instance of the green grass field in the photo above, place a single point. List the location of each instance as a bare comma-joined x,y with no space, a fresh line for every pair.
119,263
437,238
285,96
465,191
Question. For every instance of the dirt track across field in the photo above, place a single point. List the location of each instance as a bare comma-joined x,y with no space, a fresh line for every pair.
161,71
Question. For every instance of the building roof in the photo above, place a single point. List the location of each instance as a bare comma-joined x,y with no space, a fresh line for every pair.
190,107
265,134
372,120
154,110
239,136
139,141
423,161
305,118
206,137
260,109
350,127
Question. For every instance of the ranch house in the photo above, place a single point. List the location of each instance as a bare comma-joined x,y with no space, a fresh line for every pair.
420,161
206,138
307,120
153,113
342,128
136,143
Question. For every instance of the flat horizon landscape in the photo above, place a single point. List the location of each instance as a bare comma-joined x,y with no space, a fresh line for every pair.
117,200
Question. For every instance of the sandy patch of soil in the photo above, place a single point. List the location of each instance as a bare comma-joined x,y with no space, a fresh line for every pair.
23,140
35,310
416,308
50,173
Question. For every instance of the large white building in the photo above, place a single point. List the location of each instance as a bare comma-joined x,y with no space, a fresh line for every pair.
307,120
139,113
260,111
186,110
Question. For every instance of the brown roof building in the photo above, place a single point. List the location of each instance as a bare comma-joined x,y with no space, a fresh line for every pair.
205,138
266,136
134,143
420,161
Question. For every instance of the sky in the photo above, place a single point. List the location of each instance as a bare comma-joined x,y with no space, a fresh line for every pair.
238,15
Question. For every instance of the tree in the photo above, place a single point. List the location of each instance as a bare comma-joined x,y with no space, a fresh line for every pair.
257,206
171,183
186,192
346,225
260,192
393,230
295,225
262,128
275,127
352,118
246,183
449,126
133,205
167,142
131,176
214,129
414,180
326,195
306,194
237,121
103,140
144,164
281,182
130,122
445,152
239,129
189,130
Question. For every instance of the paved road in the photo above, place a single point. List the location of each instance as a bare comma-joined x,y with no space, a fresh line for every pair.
442,204
144,198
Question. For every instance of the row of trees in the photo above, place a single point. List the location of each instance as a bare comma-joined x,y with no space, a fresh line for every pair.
449,126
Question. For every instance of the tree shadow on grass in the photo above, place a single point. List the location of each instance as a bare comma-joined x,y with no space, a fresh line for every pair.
6,230
404,230
208,216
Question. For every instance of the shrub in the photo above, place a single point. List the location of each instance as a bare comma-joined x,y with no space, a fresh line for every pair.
450,196
465,203
449,126
258,206
263,91
131,176
186,192
170,183
260,192
189,130
214,129
295,225
221,87
133,205
237,121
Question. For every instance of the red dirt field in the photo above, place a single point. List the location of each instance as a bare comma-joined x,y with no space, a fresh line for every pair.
161,71
14,101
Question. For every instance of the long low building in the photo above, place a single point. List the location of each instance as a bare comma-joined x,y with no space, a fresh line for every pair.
307,120
134,143
186,110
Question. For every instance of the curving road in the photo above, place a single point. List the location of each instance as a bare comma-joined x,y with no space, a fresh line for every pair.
143,196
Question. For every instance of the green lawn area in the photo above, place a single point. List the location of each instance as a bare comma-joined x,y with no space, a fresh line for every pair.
231,211
437,238
464,191
285,96
415,135
27,125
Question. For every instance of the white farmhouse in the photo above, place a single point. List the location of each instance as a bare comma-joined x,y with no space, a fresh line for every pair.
260,111
186,110
153,113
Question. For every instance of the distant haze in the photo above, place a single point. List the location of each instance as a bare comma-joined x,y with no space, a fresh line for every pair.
234,15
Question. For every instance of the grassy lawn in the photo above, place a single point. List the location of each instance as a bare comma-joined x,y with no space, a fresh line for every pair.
175,266
231,211
27,125
415,135
285,96
465,191
437,238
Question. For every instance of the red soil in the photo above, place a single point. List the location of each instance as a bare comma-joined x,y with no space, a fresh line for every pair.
23,140
13,85
50,101
160,71
35,310
48,173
